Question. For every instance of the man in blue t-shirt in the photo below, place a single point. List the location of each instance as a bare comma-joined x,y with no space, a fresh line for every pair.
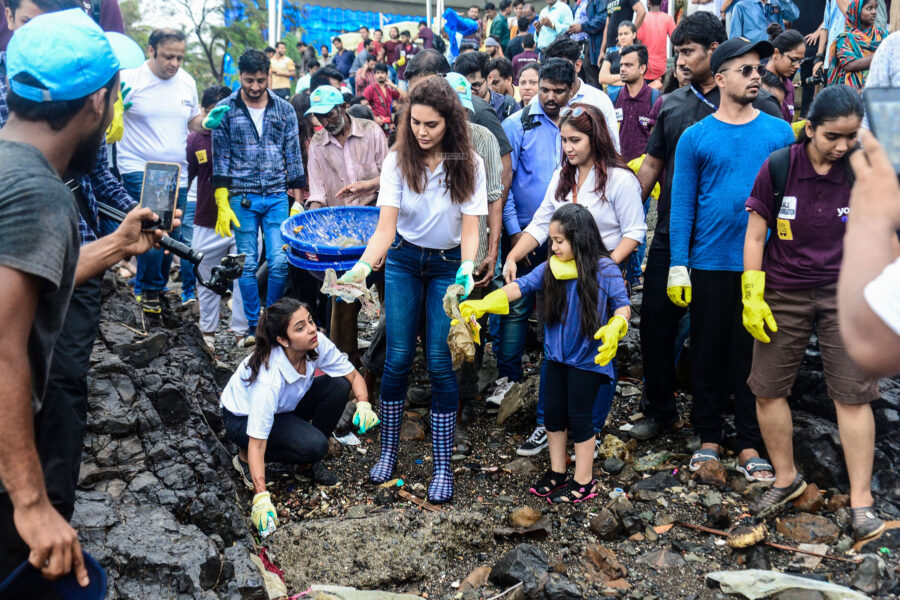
708,222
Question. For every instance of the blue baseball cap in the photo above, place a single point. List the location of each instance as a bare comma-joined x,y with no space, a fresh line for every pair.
68,54
324,99
463,89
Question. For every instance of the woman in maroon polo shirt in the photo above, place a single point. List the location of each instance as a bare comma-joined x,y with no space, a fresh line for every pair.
789,51
790,286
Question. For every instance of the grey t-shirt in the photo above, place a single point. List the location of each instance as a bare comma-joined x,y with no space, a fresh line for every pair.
38,236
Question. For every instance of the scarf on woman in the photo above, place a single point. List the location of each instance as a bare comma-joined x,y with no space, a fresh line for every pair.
851,45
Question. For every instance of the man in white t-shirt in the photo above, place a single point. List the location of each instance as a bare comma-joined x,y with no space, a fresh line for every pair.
869,286
164,107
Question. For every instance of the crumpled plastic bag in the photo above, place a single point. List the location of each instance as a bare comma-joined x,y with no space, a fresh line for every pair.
462,345
757,583
351,292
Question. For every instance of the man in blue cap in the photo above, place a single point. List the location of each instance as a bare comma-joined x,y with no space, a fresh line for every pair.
63,74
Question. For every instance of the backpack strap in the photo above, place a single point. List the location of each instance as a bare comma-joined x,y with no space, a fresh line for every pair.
528,120
779,166
96,8
654,96
614,95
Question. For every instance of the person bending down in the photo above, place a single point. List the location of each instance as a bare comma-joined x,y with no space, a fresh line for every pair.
580,285
275,409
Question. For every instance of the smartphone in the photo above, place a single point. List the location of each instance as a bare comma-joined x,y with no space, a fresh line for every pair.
883,112
160,193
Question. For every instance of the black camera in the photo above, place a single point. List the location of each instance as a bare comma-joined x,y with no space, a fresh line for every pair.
817,78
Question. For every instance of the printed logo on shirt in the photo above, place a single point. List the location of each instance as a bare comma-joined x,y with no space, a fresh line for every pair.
187,102
644,121
788,208
619,114
843,213
201,156
784,230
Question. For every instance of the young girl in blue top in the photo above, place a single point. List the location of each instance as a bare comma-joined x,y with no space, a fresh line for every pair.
582,288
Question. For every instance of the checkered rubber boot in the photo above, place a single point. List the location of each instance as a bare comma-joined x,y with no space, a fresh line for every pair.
391,415
443,429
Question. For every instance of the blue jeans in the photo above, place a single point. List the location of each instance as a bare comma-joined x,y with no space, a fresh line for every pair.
415,277
188,278
602,401
633,266
266,213
153,265
514,326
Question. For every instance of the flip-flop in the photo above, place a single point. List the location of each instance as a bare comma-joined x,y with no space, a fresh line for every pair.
701,456
755,465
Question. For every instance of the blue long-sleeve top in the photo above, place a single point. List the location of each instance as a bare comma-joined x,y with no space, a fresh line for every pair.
535,156
750,18
712,184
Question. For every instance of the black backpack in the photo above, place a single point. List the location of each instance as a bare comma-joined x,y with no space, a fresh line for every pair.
780,166
439,44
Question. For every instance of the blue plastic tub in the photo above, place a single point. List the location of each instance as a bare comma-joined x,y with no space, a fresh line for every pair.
325,242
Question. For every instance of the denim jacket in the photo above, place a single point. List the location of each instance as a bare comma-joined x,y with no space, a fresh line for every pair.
595,26
247,164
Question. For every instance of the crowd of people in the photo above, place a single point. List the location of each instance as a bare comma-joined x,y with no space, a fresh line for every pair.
514,155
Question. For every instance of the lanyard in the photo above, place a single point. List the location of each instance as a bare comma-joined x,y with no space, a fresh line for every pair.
702,99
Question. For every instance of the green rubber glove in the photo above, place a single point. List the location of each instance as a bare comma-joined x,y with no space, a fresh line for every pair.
215,116
610,333
757,313
364,418
464,277
357,274
263,514
124,91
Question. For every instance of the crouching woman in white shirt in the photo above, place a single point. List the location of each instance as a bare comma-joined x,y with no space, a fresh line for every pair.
274,409
432,193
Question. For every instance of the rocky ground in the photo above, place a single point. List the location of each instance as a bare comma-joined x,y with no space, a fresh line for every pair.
165,515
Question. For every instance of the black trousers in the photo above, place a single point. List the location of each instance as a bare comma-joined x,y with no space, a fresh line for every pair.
299,437
570,394
659,330
721,355
59,426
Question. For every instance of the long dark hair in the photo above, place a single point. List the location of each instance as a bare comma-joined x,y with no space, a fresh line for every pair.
833,102
578,226
301,103
274,323
592,124
459,171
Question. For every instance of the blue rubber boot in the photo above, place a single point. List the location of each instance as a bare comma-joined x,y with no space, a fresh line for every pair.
443,430
391,415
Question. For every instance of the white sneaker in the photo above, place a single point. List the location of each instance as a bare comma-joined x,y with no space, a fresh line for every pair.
596,449
494,401
536,442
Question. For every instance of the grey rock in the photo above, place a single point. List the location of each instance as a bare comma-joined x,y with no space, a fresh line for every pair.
522,563
613,465
558,587
867,575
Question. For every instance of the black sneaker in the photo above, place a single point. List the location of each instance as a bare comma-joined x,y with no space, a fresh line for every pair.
651,427
150,303
244,469
320,475
536,442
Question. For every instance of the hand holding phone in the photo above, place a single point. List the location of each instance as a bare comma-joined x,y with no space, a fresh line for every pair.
159,193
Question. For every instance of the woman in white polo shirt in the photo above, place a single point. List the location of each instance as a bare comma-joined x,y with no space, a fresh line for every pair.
432,193
274,409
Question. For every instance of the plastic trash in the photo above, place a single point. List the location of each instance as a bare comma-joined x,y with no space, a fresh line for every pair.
351,292
757,583
348,440
460,340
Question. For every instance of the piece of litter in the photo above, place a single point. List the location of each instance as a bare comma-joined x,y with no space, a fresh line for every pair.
348,440
626,427
361,450
351,292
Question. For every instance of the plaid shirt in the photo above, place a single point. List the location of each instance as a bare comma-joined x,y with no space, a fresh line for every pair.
101,183
246,163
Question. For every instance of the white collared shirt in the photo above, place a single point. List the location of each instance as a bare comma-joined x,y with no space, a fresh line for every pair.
620,215
278,388
430,219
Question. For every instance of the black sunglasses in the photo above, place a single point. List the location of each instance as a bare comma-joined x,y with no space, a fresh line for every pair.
747,70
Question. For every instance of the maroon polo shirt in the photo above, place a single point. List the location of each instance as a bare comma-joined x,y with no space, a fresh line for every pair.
805,244
634,121
199,160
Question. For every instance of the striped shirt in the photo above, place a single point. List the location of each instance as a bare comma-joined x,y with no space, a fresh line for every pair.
486,146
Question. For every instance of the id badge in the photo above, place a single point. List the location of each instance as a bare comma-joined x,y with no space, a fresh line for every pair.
784,230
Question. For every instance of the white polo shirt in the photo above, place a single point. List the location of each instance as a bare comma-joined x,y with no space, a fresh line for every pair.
278,388
156,125
883,298
430,219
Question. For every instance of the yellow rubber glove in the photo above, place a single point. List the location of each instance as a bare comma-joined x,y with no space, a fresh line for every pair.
263,514
635,165
495,303
757,313
364,418
116,128
610,333
225,218
678,286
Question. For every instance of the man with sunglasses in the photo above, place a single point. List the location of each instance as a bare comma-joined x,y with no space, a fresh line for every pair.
708,222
